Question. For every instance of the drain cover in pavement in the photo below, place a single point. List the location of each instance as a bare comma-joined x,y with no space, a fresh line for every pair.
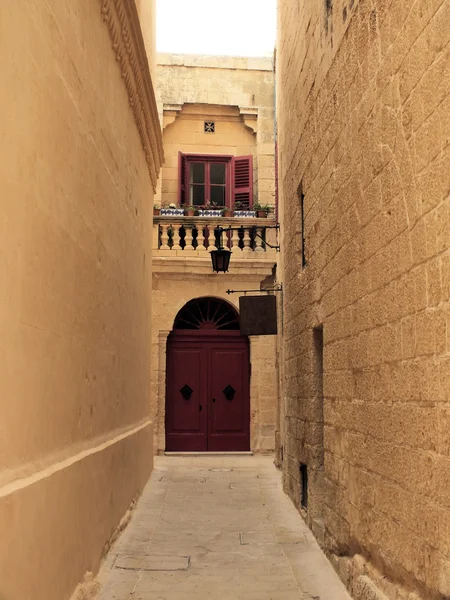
148,562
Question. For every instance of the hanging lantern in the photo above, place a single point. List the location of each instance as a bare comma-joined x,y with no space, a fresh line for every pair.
220,260
221,257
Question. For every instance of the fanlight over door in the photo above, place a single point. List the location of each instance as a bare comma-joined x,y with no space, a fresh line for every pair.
207,313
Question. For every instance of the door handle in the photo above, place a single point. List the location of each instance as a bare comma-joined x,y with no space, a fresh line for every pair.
214,399
200,408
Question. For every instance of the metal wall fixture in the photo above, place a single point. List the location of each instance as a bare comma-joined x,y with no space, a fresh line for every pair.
220,257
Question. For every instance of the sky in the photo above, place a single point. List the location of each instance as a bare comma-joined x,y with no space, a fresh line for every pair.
220,27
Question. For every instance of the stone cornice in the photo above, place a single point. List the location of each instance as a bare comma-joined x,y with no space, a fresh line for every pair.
248,116
128,44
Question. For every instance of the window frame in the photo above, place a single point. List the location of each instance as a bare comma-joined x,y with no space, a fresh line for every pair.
239,186
208,159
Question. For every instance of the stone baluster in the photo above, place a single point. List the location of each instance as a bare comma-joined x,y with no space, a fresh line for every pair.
176,237
258,239
200,238
235,242
164,237
247,240
212,237
188,237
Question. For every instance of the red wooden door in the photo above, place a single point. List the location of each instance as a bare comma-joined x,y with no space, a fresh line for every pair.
208,393
229,406
186,411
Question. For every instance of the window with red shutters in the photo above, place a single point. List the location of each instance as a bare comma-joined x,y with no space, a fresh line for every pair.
215,180
243,182
181,179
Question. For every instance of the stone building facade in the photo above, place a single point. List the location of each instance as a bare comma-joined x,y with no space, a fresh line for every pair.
363,113
236,96
80,154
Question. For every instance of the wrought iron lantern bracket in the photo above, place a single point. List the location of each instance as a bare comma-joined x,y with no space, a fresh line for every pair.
278,287
221,256
218,231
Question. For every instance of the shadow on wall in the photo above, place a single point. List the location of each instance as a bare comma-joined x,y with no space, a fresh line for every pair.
328,16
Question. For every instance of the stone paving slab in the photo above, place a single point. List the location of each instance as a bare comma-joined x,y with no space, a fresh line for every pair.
221,528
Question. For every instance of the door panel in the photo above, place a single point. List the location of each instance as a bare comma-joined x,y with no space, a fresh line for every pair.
229,411
208,394
186,413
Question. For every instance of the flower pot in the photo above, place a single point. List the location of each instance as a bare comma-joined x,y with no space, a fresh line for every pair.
207,212
227,213
172,212
189,212
261,214
245,213
156,212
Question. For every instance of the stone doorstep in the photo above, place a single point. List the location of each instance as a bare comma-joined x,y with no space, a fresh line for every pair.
149,562
247,453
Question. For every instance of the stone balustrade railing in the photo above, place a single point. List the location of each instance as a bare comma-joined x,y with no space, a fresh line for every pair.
189,235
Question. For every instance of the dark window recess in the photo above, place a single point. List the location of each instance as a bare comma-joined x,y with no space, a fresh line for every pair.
304,485
318,373
210,127
301,197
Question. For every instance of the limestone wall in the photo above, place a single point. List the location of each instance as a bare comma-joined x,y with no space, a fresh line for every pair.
75,271
363,117
237,94
171,291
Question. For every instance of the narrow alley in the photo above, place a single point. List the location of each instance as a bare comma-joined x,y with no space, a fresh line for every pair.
217,527
225,300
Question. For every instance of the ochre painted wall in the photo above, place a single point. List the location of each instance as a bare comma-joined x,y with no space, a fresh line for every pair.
363,116
238,94
186,134
171,291
75,277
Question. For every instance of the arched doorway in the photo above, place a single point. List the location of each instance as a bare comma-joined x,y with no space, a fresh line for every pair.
207,389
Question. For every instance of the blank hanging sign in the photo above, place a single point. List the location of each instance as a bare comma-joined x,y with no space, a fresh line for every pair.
258,315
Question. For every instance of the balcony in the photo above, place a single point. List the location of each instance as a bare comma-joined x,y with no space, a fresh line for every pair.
183,243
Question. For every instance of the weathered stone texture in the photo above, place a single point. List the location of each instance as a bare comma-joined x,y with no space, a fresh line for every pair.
75,270
364,123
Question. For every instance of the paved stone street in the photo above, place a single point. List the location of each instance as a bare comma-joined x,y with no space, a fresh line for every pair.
220,528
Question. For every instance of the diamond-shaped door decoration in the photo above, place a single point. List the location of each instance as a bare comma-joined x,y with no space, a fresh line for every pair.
229,392
186,392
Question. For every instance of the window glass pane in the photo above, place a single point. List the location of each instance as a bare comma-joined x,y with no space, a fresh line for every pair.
218,195
197,195
217,172
197,172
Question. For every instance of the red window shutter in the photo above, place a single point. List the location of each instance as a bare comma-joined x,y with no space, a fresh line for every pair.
243,181
182,178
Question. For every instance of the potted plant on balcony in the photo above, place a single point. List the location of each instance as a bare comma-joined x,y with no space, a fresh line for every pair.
189,211
227,212
261,211
156,210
